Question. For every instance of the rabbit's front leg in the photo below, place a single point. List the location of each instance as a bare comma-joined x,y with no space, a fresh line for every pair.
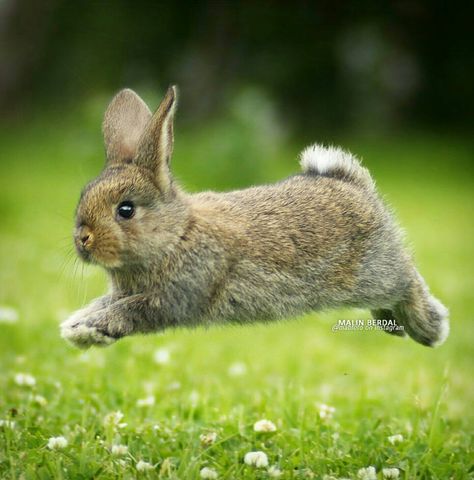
79,315
75,329
102,327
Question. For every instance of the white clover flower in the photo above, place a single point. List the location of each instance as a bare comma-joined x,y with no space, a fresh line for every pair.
390,472
113,418
208,438
264,426
207,472
393,439
25,380
149,386
146,402
7,424
326,412
237,369
256,459
274,472
79,430
367,473
194,398
119,450
8,315
143,466
39,400
174,386
162,356
57,443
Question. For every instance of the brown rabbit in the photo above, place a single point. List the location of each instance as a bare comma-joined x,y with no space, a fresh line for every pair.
319,239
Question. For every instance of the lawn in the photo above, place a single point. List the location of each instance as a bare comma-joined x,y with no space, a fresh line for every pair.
176,390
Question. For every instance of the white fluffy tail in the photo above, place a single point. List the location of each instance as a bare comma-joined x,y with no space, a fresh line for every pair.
334,162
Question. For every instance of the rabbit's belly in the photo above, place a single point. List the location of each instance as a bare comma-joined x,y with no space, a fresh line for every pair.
266,296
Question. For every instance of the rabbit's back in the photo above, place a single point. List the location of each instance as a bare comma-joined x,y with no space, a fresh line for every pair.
302,244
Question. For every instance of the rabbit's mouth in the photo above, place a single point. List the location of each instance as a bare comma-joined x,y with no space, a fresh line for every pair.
93,258
85,255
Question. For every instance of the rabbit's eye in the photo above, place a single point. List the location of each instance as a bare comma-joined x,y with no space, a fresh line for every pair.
126,210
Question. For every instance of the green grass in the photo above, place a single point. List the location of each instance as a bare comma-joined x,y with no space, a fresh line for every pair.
379,385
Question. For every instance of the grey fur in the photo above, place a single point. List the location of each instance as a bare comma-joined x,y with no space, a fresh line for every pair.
317,240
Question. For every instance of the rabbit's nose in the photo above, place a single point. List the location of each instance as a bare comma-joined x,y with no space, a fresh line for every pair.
85,237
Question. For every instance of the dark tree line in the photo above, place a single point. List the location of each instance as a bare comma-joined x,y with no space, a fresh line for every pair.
331,63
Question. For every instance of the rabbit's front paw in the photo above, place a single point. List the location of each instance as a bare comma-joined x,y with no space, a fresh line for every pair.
84,329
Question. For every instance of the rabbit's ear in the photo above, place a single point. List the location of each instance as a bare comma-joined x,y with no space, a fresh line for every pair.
124,123
156,144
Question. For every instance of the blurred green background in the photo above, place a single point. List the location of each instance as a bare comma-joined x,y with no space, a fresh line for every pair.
258,82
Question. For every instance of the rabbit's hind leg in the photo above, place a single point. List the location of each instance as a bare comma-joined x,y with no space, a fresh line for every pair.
394,327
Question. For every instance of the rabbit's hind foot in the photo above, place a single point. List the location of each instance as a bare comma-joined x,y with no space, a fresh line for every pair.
393,326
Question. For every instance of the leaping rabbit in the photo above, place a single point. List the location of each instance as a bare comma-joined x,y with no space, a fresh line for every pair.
320,239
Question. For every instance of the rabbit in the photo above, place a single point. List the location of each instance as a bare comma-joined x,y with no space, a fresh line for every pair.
320,239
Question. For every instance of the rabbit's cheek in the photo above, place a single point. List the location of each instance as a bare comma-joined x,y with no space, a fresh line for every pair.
107,250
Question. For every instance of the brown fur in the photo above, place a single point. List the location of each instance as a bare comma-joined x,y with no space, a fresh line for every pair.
309,242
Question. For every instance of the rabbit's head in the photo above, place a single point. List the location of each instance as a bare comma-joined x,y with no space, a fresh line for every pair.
133,209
